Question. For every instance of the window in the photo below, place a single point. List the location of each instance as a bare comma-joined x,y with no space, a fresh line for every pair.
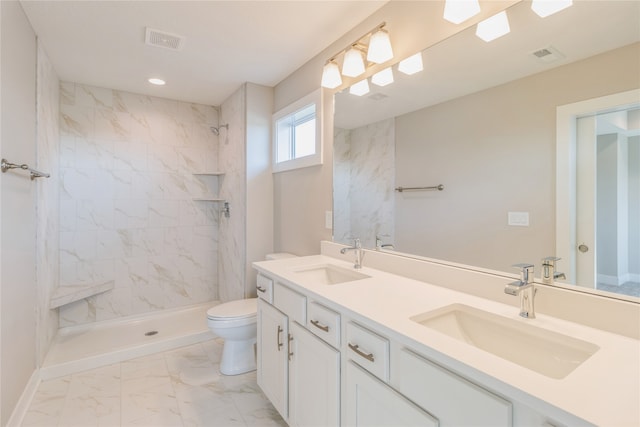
297,136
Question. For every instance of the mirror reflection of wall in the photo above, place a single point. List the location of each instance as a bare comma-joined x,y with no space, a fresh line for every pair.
364,173
617,201
494,152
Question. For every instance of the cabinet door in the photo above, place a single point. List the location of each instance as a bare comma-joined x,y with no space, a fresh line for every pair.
272,355
453,399
370,402
314,380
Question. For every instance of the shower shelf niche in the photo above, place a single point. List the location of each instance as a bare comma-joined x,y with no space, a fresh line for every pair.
64,295
208,199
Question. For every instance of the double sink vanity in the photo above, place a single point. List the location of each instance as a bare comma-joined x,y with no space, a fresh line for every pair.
345,346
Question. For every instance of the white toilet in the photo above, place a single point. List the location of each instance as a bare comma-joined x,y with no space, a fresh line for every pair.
235,322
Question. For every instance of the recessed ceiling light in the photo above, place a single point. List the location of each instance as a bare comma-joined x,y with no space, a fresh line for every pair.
157,82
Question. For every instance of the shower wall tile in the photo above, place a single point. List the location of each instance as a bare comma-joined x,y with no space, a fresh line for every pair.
364,191
126,204
48,203
232,255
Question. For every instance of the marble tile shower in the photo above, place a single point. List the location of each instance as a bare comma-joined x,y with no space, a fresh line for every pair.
364,177
127,212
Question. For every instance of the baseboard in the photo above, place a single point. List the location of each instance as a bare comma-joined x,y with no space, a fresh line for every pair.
618,280
21,408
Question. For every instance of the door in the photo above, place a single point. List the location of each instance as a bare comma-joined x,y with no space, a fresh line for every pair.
314,380
272,355
606,179
370,402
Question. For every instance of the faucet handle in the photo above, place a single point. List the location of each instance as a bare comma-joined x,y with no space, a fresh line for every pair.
550,260
526,272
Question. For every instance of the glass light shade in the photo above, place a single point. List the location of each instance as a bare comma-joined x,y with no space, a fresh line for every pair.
331,76
353,64
383,78
544,8
379,47
458,11
360,88
494,27
412,64
156,81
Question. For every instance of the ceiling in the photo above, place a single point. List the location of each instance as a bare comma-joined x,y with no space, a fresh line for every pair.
227,43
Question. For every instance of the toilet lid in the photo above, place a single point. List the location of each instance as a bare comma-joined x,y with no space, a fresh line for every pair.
234,309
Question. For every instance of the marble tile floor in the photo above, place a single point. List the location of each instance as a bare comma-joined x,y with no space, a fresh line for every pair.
628,288
181,387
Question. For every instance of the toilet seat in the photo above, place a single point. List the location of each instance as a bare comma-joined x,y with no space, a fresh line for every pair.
244,309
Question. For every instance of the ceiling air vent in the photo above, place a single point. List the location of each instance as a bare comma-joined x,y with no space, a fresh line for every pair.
547,54
163,39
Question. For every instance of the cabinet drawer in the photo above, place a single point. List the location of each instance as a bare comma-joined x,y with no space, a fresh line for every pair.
369,350
290,303
324,323
443,393
264,286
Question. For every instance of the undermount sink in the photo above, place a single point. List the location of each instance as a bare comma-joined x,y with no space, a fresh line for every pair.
548,353
328,274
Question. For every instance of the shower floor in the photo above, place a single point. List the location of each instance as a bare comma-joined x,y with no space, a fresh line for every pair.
84,347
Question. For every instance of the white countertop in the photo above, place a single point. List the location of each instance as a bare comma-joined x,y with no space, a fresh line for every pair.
604,390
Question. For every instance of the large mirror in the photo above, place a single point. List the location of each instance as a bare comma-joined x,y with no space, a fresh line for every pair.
480,121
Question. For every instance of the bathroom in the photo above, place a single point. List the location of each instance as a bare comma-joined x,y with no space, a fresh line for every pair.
153,188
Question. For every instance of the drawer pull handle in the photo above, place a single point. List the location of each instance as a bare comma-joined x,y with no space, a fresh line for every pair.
278,338
261,289
289,347
320,326
356,348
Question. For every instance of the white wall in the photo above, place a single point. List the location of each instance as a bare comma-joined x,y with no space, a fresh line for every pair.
259,180
126,201
501,159
48,202
17,229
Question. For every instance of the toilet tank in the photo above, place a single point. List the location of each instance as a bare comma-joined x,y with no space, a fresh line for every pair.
279,255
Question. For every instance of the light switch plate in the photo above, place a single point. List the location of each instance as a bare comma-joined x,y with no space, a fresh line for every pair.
328,219
519,219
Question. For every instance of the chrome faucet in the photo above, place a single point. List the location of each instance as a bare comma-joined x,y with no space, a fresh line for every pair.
357,247
524,287
549,274
380,245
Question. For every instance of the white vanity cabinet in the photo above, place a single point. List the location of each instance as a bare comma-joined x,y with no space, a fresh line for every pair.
272,354
370,402
298,372
454,400
314,380
322,364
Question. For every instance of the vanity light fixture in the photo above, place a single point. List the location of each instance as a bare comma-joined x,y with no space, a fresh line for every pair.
458,11
382,78
411,65
379,47
494,27
353,64
331,75
544,8
360,88
375,46
156,81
